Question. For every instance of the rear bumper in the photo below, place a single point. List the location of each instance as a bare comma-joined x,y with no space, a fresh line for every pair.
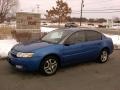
25,64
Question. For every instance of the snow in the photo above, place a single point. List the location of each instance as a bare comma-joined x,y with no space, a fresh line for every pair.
115,39
5,46
47,29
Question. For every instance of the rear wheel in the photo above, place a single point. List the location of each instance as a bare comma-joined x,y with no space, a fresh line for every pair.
103,57
49,65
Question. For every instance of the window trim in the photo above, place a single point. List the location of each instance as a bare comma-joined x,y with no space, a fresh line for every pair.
73,34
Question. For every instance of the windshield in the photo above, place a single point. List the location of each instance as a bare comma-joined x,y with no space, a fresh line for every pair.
55,36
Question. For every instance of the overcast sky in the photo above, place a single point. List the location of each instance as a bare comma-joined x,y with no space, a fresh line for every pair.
92,8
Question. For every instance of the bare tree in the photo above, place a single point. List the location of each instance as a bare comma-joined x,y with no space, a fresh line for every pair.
6,6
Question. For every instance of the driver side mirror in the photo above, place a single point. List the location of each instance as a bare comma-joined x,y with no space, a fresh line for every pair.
68,43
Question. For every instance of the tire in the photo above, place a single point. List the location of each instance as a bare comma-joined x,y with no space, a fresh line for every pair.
49,65
103,57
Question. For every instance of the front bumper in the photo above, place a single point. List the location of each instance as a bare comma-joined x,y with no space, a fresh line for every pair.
25,64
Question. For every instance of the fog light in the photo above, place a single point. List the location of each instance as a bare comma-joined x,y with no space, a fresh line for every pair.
19,66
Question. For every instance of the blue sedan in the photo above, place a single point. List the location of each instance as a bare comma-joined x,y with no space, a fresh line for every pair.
59,48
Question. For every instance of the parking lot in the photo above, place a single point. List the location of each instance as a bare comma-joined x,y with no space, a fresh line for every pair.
85,76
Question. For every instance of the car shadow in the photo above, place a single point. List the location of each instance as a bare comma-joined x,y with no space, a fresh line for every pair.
76,65
36,74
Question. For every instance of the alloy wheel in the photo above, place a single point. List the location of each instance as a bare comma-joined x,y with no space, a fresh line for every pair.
50,66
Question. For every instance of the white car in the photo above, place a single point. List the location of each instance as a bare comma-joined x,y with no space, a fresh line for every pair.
116,26
71,24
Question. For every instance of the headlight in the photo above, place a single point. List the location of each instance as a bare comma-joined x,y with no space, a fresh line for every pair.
25,55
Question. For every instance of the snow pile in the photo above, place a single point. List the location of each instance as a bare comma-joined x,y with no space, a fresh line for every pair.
5,46
115,38
47,29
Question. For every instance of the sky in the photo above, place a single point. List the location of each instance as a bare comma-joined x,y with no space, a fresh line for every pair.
92,8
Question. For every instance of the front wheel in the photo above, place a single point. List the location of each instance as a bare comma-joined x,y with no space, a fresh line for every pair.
49,65
103,57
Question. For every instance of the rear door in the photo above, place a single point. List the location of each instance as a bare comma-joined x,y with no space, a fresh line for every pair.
93,44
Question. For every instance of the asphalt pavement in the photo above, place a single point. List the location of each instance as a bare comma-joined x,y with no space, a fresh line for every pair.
85,76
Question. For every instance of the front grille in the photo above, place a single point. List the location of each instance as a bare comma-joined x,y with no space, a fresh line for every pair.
13,55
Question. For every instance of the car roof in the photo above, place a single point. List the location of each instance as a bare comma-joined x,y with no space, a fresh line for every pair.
77,29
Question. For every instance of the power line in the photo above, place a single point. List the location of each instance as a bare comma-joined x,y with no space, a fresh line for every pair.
100,2
101,10
97,12
106,7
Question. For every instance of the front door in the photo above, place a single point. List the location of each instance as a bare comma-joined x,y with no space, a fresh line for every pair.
73,49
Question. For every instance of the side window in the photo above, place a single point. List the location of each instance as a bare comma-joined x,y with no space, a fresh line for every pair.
93,35
76,38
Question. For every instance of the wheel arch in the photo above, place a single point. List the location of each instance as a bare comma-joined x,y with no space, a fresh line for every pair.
106,48
55,55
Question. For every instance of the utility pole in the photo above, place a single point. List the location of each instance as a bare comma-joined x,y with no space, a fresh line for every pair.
82,5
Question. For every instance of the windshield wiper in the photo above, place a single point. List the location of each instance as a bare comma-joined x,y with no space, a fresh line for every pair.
49,42
46,41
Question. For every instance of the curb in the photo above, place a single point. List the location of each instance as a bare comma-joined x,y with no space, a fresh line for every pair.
3,58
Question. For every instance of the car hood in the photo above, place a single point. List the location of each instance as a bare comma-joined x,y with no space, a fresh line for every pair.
29,47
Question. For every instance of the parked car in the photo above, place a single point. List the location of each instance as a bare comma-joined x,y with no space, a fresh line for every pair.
44,24
59,48
116,26
71,24
102,26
